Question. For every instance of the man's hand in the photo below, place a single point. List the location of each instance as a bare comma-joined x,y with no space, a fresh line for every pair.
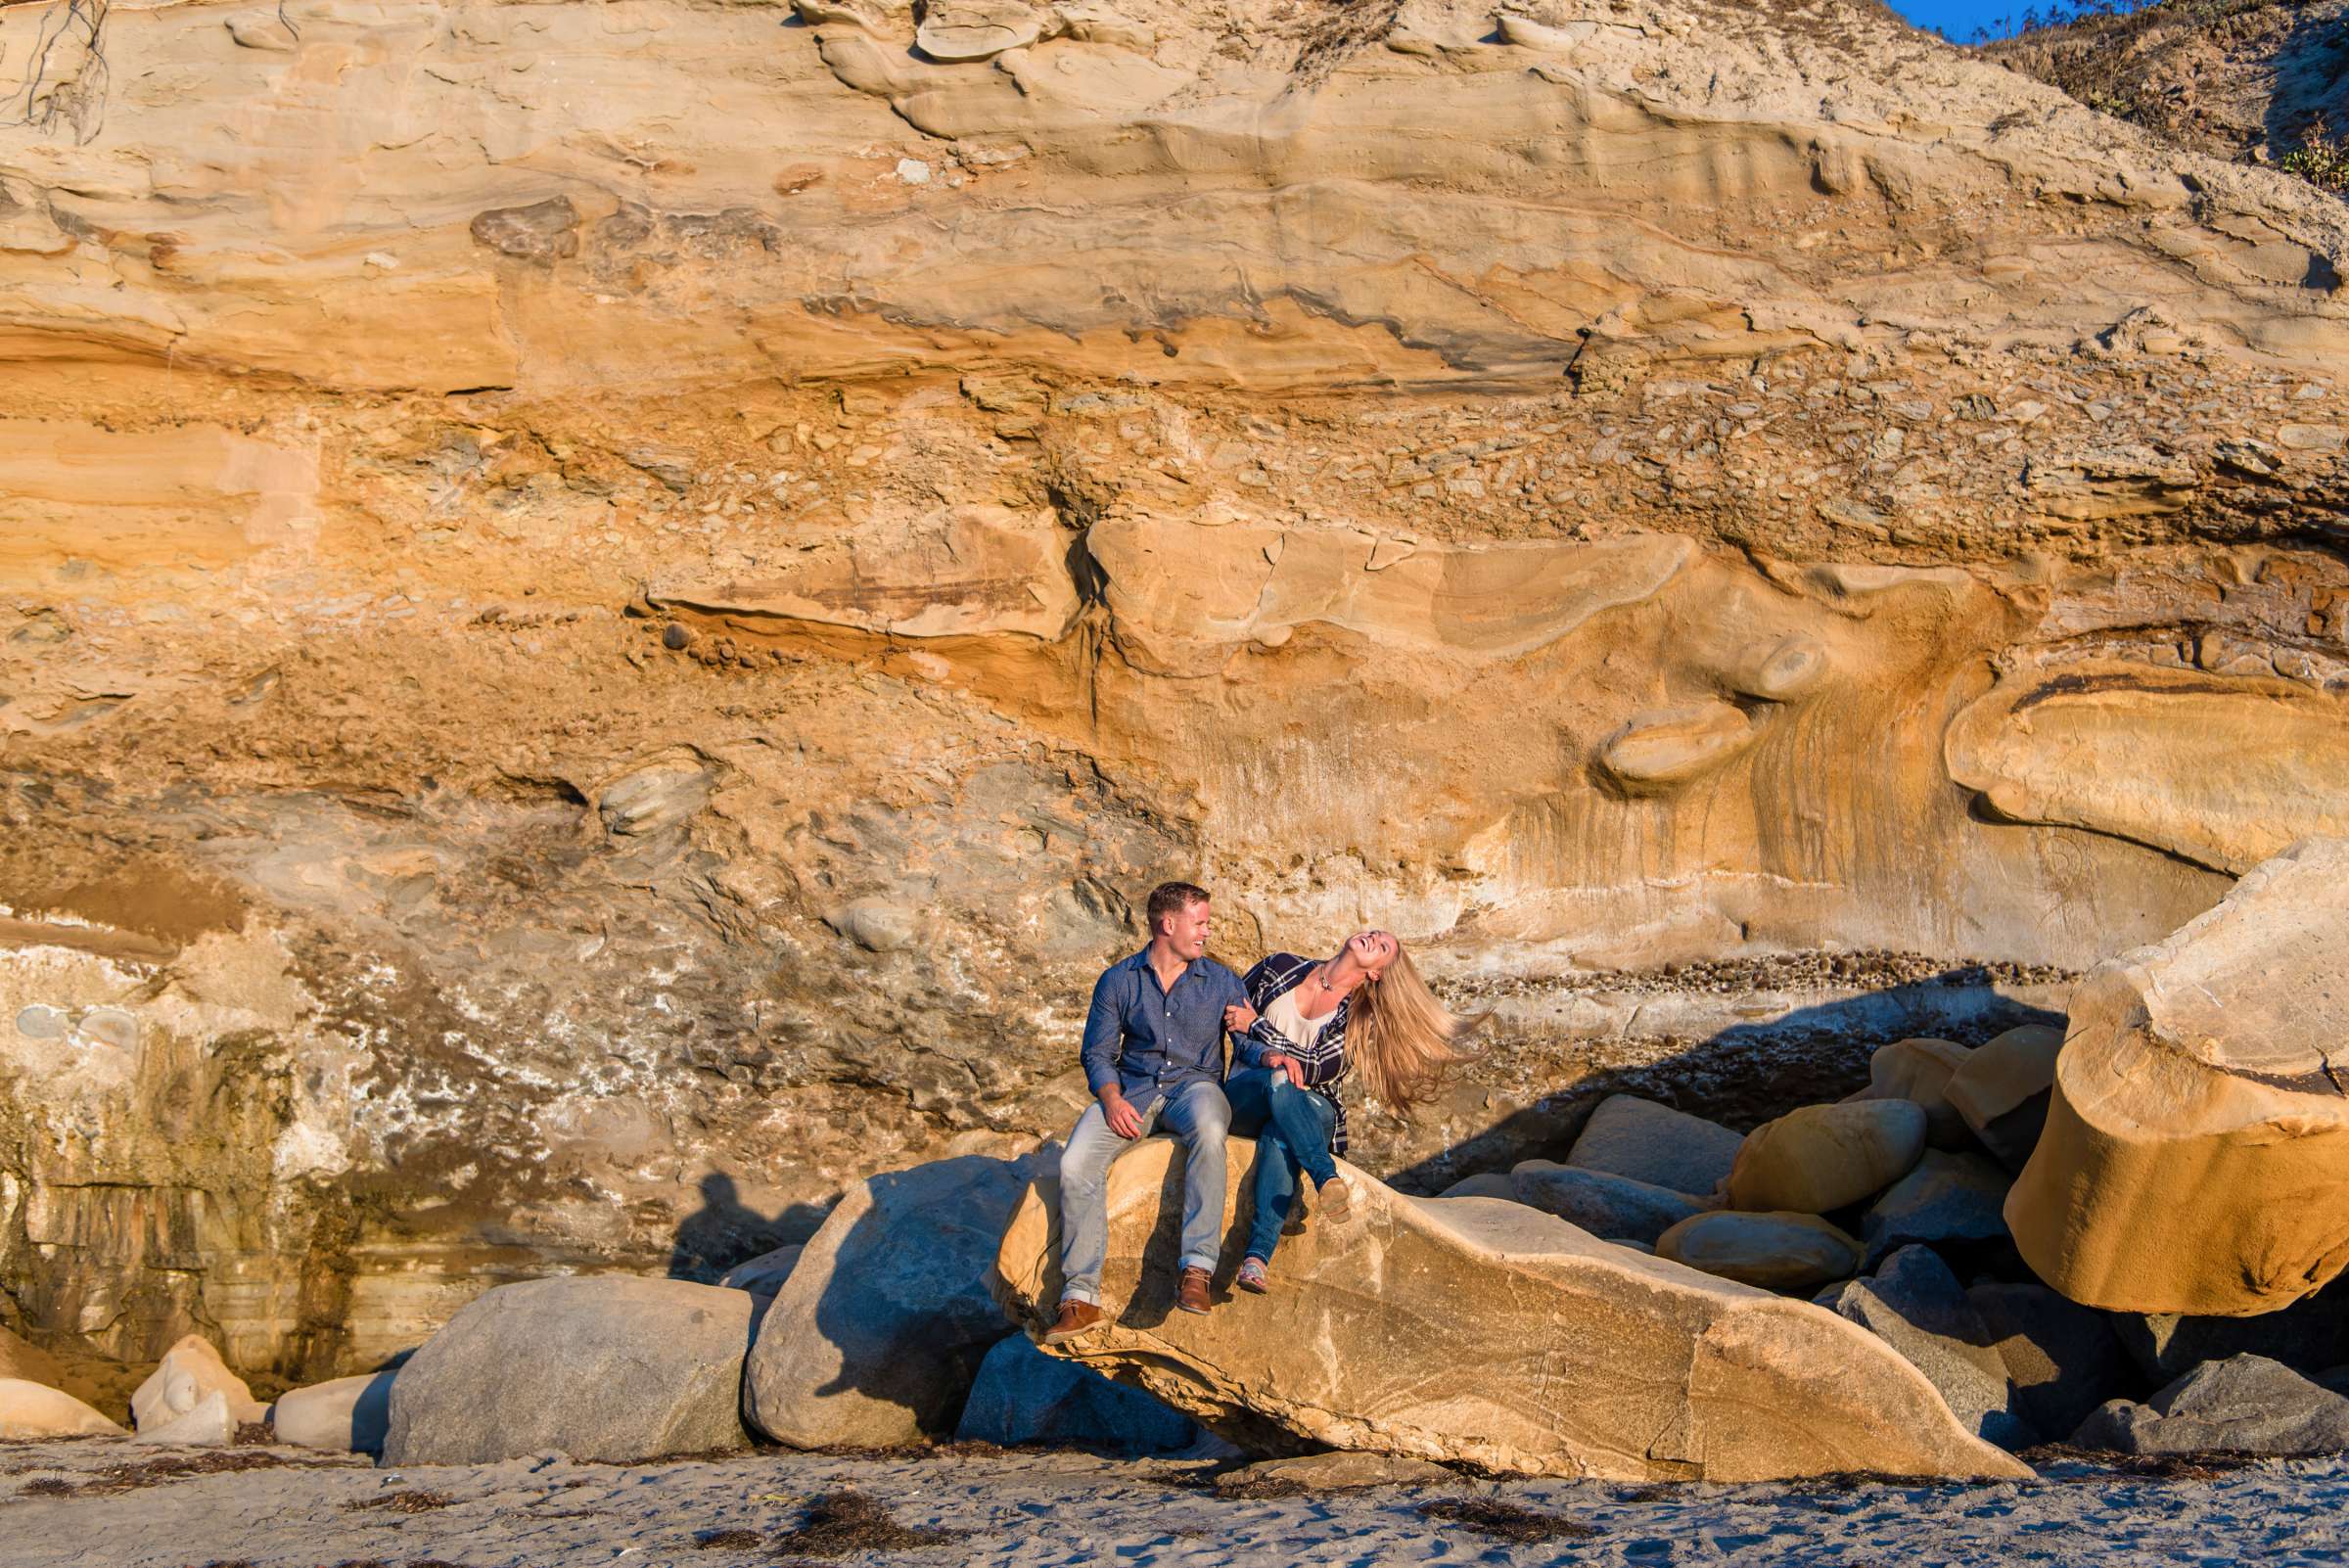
1124,1119
1286,1064
1239,1018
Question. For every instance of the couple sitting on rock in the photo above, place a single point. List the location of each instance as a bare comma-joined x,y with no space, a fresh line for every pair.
1152,1057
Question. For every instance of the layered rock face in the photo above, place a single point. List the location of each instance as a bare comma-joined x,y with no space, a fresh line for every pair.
605,610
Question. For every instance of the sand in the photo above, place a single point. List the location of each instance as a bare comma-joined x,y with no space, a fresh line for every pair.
1026,1510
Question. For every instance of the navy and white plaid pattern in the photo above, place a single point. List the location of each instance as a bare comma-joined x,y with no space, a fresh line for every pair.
1324,1061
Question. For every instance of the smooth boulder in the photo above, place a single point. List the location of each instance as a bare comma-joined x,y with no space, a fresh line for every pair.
1482,1185
1024,1396
1629,1136
2197,1145
190,1372
1782,1252
611,1367
1823,1157
1951,1201
1915,1304
347,1415
1487,1332
30,1410
2001,1091
2244,1404
1918,1070
1611,1208
211,1423
765,1274
875,1339
2063,1358
22,1359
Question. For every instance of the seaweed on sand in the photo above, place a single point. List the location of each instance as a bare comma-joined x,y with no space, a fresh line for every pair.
1506,1521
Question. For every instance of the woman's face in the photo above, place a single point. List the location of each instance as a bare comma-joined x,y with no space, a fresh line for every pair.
1373,950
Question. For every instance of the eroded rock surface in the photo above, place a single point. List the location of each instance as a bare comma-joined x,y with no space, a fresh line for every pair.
583,669
2198,1140
1589,1359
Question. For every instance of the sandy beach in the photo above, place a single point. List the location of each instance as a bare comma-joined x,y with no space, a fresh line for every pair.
97,1503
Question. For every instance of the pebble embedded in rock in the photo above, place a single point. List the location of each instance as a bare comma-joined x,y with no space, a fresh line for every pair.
675,637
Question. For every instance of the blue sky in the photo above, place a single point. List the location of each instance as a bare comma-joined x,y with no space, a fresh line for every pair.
1959,18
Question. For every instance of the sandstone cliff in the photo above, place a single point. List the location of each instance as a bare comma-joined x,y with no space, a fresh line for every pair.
605,610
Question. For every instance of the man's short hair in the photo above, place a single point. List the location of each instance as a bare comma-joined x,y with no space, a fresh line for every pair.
1172,897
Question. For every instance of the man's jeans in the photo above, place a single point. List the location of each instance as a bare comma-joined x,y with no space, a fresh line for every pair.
1195,1113
1292,1127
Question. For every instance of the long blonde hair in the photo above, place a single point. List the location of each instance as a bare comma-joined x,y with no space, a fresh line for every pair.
1404,1041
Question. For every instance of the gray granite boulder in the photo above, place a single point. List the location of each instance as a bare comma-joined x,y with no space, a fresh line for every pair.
876,1337
1482,1185
2243,1405
1612,1208
1915,1304
2309,1336
2062,1357
1950,1202
1024,1396
1629,1136
611,1367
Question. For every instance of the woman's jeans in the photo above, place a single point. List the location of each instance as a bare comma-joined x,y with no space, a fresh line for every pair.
1292,1127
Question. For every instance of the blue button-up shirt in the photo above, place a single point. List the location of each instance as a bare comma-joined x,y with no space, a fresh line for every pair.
1150,1040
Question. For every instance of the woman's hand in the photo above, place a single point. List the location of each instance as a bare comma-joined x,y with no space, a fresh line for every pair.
1239,1018
1286,1064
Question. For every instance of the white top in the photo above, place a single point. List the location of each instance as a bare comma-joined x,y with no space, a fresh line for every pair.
1285,1015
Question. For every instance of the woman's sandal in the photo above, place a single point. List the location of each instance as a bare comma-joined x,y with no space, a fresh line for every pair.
1252,1277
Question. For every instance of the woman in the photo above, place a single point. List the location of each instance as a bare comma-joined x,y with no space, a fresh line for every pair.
1305,1026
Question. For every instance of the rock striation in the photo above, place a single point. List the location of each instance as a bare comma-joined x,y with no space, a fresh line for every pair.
1592,1359
2198,1137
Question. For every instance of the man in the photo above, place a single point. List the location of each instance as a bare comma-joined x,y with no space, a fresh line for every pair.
1154,1058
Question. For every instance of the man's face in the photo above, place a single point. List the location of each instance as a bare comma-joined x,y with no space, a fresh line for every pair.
1186,929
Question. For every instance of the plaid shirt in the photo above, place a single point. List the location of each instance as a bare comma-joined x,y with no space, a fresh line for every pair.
1324,1061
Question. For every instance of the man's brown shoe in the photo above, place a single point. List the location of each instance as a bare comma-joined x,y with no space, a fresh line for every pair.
1076,1319
1190,1291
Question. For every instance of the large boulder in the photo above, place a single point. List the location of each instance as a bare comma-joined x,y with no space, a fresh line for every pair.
611,1367
1915,1304
2197,1145
1611,1208
1951,1202
2063,1358
30,1410
189,1372
1629,1136
1785,1251
1024,1396
2244,1404
876,1337
1486,1331
1823,1157
349,1416
2001,1091
1918,1070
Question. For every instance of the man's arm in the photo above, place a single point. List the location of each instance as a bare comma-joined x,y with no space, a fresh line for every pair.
1104,1033
1104,1040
